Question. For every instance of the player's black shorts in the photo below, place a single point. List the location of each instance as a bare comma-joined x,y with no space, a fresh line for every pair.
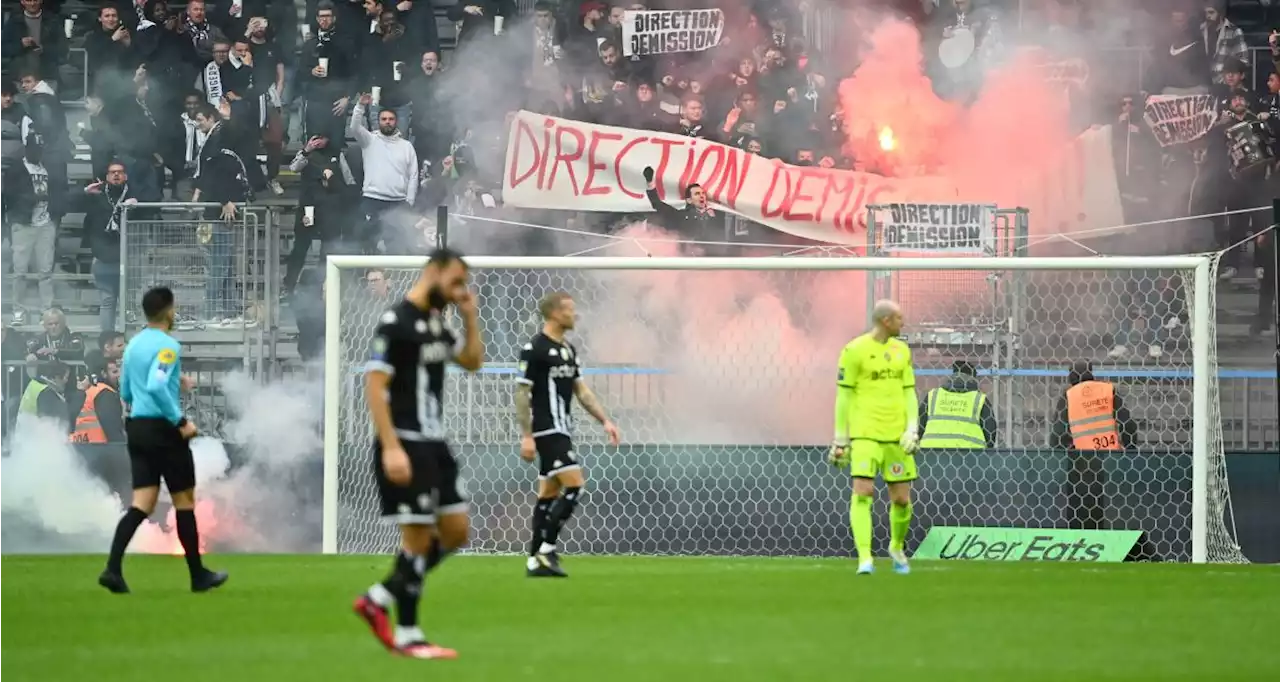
555,455
435,486
158,451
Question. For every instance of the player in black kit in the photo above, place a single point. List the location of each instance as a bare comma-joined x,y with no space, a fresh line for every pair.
418,482
550,376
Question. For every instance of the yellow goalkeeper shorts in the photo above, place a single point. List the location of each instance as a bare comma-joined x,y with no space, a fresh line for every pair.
868,458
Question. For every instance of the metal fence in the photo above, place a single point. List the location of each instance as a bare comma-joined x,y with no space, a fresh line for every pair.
223,273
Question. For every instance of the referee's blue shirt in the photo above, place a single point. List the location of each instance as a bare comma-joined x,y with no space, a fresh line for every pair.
150,380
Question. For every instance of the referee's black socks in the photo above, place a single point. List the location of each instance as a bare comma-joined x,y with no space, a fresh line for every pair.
541,510
124,534
189,535
561,510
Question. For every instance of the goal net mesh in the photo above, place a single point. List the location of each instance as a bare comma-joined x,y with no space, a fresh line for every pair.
722,383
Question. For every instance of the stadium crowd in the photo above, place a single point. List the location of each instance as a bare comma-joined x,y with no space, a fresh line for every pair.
392,117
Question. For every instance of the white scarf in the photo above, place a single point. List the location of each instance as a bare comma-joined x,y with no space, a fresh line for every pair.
195,139
213,83
113,225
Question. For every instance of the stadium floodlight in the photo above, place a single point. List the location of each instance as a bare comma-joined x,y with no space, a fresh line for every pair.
721,374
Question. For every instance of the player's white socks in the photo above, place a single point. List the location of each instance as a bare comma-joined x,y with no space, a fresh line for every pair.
381,596
546,548
531,563
410,634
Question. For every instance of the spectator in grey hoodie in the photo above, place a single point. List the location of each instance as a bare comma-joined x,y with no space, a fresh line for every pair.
390,180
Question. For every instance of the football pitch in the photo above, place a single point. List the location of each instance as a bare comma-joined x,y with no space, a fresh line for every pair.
624,619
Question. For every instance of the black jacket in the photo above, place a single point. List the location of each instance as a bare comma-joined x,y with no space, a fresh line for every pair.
963,383
379,56
221,171
689,222
18,196
340,49
111,62
52,40
102,219
50,120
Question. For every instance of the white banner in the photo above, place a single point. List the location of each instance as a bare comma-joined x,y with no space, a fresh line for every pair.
555,163
663,32
936,228
1179,119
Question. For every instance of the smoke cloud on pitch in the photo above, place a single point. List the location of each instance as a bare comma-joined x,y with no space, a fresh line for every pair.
259,494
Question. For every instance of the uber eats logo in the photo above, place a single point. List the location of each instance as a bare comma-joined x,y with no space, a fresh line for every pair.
1026,544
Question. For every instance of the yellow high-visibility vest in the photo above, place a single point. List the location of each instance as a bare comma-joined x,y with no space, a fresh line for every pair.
954,421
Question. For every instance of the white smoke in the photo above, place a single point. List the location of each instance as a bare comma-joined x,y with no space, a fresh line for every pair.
268,501
49,501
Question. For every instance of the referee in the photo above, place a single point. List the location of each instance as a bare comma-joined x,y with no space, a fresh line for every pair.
159,442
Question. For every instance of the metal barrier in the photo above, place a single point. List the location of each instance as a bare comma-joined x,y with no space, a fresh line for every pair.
223,273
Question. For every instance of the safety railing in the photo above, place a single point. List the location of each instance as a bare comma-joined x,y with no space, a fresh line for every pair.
223,272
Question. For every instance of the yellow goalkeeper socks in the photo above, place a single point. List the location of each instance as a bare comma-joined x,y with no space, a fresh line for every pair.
860,522
899,524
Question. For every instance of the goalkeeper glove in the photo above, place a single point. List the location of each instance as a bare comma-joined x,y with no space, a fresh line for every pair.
910,439
837,456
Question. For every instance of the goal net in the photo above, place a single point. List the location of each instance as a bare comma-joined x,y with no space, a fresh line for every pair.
721,375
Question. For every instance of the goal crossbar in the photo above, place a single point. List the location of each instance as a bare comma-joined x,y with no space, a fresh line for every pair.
789,263
1200,329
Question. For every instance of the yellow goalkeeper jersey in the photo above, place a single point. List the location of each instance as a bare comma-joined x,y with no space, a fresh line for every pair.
878,373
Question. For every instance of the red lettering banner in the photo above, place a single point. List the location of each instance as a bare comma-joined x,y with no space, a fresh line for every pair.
555,163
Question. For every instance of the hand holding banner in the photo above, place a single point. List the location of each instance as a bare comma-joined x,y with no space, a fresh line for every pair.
1179,119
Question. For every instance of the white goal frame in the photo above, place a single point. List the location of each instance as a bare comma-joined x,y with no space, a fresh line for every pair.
1200,332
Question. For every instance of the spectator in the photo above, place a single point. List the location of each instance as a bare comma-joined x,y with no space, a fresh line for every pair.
110,349
100,418
267,60
390,178
193,136
45,395
1222,40
103,216
110,55
692,110
29,204
201,34
13,354
325,67
387,56
57,342
137,134
697,221
582,41
477,18
167,54
540,44
432,120
1182,65
1238,186
37,37
50,121
326,183
14,128
308,309
646,112
221,179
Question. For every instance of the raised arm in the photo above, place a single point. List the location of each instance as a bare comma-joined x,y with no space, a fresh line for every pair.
471,355
355,125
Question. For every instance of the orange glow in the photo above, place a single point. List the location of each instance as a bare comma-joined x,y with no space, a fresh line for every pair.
154,539
887,141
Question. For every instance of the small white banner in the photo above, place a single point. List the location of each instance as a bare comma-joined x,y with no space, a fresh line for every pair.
936,228
663,32
1179,119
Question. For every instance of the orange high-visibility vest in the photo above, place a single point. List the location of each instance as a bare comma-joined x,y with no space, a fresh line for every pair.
1091,416
88,430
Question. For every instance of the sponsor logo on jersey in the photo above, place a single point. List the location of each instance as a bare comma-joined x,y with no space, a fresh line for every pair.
389,317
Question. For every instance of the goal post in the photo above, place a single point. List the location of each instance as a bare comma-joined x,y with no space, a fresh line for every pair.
719,373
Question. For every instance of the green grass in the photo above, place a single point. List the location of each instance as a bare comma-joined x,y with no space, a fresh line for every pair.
624,619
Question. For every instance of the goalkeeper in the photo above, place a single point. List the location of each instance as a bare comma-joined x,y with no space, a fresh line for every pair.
876,430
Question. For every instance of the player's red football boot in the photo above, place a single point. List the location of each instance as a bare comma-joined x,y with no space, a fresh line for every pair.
426,650
378,620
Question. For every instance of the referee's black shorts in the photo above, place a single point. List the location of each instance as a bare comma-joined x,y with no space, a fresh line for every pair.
158,451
